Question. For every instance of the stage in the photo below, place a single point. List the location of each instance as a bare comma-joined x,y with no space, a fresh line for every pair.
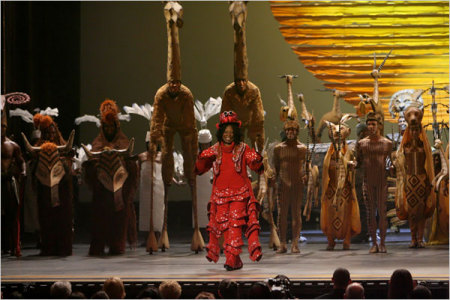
179,263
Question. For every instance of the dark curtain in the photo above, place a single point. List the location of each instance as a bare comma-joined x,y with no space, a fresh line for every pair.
41,57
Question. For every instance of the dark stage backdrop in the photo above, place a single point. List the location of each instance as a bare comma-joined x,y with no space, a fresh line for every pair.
41,57
75,54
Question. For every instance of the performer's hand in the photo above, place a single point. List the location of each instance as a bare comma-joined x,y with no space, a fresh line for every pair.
351,165
262,188
392,171
21,177
305,179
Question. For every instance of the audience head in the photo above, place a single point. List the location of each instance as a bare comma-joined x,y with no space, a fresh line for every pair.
15,295
421,292
228,289
61,290
149,293
114,288
259,290
100,295
170,289
354,291
341,278
400,285
77,295
205,295
280,287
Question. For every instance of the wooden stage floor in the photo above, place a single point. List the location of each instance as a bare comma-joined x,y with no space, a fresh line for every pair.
179,263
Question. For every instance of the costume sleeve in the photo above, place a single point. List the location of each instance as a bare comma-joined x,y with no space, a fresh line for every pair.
226,102
276,161
303,158
21,165
253,160
358,154
256,122
204,161
389,148
133,176
188,112
89,172
156,124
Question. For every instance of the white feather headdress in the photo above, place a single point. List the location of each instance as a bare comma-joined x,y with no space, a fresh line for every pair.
24,114
81,157
141,110
28,117
204,112
178,163
54,112
88,118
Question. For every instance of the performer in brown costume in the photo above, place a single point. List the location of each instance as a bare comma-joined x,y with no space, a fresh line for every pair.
52,171
233,208
113,178
371,152
242,96
289,161
173,112
13,173
439,223
339,214
418,201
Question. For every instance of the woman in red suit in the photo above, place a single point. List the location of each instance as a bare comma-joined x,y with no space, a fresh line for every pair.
232,208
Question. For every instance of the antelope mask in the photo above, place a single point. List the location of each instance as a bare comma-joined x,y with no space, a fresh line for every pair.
111,171
50,168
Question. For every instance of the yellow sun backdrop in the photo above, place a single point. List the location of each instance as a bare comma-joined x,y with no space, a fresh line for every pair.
336,42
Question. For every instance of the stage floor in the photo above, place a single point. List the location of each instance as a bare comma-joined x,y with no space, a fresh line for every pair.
179,263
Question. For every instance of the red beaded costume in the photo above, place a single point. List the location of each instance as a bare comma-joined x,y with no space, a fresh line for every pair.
233,207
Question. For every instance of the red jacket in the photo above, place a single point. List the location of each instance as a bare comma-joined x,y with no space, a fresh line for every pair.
229,163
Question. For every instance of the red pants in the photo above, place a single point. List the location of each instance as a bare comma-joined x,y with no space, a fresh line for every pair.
230,219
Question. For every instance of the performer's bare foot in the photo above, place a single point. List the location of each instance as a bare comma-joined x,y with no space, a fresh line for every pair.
282,249
420,244
413,244
295,249
374,248
382,248
331,245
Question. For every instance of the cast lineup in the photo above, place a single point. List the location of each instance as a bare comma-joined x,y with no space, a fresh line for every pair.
218,174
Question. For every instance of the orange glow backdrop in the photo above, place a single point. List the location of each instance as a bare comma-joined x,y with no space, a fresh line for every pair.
336,42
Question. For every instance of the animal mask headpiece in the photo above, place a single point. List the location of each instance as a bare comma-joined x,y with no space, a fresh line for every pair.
42,122
373,116
413,116
291,124
228,117
109,112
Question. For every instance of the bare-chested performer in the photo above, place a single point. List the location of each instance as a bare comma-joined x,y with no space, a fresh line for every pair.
371,152
13,171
